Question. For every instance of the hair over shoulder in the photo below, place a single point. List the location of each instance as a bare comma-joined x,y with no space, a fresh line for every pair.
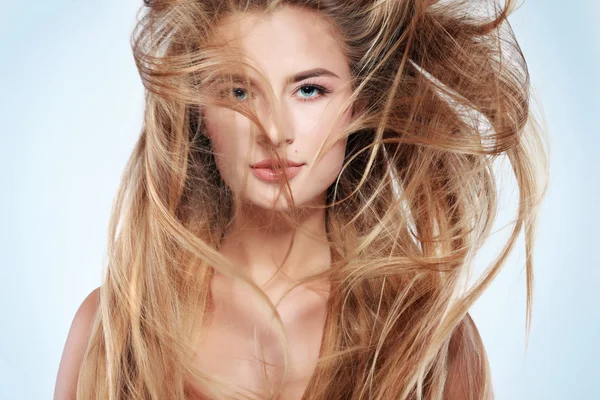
444,92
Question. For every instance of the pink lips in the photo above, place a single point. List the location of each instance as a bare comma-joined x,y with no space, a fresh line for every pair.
266,171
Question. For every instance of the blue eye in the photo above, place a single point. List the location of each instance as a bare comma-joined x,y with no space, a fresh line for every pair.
309,91
312,91
240,94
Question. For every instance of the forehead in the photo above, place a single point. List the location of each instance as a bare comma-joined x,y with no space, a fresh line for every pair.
283,42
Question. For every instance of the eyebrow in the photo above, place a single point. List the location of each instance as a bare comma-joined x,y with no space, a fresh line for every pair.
300,76
311,73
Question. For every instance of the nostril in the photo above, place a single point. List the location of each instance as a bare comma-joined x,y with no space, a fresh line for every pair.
263,140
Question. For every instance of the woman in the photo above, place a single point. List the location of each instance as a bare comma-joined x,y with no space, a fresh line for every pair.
299,216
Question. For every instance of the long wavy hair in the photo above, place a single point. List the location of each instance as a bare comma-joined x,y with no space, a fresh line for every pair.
443,92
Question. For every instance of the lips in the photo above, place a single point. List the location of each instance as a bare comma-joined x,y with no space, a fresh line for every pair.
272,163
267,169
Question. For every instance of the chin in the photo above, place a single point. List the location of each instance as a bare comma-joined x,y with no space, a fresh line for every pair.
272,197
270,202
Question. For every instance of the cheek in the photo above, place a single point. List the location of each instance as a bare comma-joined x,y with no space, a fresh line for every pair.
336,156
228,141
334,146
329,166
216,126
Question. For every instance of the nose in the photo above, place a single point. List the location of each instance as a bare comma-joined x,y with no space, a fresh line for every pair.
278,129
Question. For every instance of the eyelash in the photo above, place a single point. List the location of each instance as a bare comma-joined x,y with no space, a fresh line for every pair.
319,86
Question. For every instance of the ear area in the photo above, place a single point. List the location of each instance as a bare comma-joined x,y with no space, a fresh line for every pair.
359,107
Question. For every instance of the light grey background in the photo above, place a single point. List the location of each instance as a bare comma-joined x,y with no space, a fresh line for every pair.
71,109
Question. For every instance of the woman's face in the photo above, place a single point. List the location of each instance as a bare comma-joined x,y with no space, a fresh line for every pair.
310,79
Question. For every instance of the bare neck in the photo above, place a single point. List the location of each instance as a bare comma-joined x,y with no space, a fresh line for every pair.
259,240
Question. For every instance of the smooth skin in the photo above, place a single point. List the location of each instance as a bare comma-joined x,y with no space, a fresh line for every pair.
283,46
464,381
70,363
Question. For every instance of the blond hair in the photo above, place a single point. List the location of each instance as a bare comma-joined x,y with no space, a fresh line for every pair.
443,90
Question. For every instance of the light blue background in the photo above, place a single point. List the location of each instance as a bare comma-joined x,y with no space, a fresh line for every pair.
71,109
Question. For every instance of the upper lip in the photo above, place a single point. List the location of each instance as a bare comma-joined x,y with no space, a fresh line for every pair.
270,163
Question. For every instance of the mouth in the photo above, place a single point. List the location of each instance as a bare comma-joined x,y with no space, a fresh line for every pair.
271,171
272,163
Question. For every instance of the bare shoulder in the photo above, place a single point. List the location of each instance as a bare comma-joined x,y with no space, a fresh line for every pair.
468,368
74,350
